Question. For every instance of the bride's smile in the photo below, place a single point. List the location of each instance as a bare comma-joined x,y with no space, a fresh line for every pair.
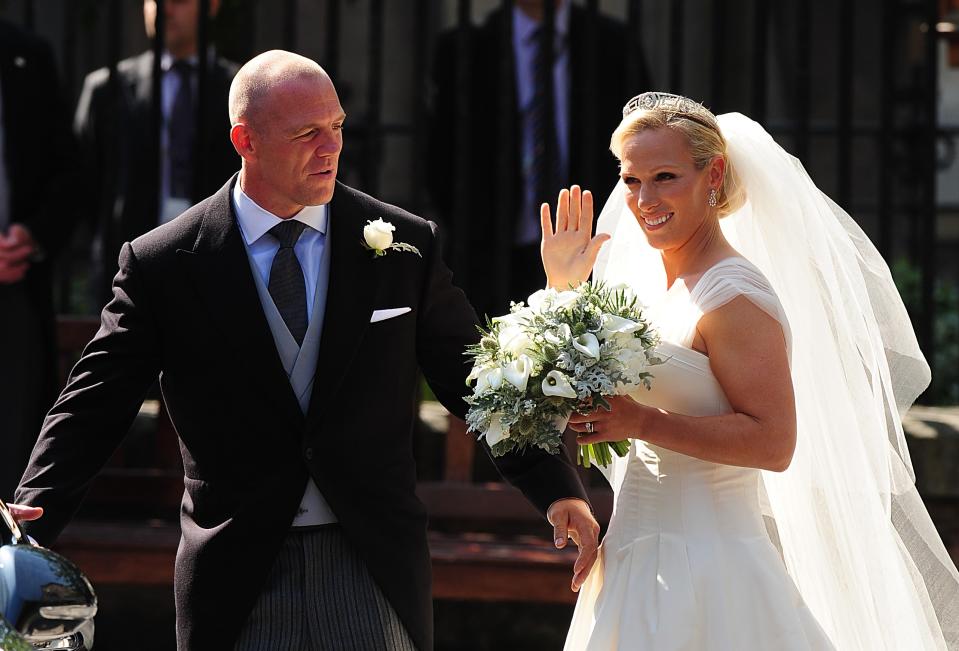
655,221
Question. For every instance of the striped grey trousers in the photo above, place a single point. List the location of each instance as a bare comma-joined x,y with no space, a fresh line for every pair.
319,596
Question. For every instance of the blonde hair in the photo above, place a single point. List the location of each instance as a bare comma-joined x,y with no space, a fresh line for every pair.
705,143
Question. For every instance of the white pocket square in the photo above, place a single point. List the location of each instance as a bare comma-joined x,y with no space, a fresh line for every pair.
383,315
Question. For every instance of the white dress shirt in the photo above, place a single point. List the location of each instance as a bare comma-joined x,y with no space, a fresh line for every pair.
524,50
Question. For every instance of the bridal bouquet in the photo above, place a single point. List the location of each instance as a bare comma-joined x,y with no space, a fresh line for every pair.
563,352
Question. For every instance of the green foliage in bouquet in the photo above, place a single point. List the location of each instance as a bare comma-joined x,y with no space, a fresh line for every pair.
564,352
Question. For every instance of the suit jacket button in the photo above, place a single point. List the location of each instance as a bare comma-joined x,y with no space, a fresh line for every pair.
309,454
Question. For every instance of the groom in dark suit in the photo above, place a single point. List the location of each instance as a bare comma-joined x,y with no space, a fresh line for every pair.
288,356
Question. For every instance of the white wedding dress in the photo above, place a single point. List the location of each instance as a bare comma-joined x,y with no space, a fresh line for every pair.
687,562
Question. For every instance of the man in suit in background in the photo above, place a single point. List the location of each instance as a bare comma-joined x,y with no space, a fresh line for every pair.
522,146
289,357
132,187
37,213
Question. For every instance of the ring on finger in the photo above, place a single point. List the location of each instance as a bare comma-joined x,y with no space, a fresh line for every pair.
589,427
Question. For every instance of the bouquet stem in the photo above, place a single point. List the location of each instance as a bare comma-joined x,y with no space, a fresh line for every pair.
600,453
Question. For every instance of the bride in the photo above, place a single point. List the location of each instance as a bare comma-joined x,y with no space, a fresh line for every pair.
767,501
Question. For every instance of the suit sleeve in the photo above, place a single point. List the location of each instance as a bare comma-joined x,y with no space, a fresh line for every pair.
97,405
447,324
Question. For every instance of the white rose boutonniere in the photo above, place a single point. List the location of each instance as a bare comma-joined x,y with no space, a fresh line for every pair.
378,238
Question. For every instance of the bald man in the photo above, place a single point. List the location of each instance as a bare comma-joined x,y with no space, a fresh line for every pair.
288,355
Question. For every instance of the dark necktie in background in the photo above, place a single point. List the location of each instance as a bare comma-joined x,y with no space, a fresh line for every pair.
544,171
182,133
287,286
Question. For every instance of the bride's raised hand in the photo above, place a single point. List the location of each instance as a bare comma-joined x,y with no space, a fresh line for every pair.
569,252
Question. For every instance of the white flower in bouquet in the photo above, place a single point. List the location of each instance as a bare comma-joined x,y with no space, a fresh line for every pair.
560,336
563,352
514,340
615,324
587,344
487,379
496,431
557,384
518,372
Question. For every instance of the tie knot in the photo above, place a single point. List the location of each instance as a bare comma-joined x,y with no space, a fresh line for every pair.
288,232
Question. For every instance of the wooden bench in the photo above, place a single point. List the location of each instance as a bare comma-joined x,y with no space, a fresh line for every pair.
487,542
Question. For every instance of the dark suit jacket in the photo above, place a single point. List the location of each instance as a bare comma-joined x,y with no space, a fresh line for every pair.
114,125
40,156
483,227
185,307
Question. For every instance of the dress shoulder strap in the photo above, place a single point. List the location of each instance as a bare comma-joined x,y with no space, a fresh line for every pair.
733,277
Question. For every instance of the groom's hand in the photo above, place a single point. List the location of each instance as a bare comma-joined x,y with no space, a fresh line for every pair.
571,518
23,513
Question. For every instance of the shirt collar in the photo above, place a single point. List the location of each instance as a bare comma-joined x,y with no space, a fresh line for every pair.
167,61
255,221
524,26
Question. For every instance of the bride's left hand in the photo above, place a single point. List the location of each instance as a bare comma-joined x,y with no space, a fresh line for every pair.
624,420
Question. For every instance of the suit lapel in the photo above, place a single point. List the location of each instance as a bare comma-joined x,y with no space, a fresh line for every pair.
349,299
221,271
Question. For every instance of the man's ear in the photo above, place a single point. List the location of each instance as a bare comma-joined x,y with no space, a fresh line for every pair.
242,138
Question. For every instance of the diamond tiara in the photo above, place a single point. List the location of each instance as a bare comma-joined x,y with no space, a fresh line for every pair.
670,103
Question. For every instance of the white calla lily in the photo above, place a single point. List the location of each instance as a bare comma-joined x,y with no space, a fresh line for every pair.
518,371
614,323
488,378
587,344
482,381
557,384
496,431
538,298
565,299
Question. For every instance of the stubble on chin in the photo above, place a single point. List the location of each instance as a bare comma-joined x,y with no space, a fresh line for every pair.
318,196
